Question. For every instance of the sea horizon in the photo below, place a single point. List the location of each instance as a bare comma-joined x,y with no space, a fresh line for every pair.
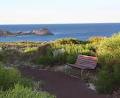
79,31
59,23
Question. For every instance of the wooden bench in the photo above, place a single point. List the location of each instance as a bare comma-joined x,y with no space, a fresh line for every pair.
85,62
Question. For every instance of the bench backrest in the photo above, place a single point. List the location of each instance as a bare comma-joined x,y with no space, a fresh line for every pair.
86,62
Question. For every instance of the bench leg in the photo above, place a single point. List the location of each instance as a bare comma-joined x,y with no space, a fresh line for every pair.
82,72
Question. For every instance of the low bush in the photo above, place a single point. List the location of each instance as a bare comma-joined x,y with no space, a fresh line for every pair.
10,76
109,51
71,59
69,41
64,51
45,53
50,60
30,50
24,92
104,83
10,55
108,57
45,60
1,58
108,79
26,82
96,40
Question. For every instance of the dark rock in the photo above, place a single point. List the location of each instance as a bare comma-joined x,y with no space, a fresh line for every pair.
22,33
5,33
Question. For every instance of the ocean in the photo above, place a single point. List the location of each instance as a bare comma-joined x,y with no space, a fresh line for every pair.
79,31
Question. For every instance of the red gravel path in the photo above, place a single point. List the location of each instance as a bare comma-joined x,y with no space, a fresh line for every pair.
61,85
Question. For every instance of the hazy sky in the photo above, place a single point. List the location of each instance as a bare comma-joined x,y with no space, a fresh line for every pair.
59,11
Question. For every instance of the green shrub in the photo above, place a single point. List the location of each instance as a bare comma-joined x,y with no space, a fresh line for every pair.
105,81
71,59
109,51
116,74
45,60
61,59
68,41
109,58
30,50
65,51
51,60
108,79
10,55
42,53
1,57
96,40
10,76
26,82
24,92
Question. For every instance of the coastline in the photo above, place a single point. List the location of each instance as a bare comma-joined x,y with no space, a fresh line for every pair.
79,31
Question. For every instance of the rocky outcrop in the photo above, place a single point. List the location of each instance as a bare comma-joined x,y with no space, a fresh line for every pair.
22,33
5,33
43,31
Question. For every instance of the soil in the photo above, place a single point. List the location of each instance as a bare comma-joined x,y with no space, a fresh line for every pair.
61,85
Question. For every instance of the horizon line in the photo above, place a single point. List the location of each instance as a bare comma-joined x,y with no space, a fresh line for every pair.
59,23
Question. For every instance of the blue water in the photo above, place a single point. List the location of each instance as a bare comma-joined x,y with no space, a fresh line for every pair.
79,31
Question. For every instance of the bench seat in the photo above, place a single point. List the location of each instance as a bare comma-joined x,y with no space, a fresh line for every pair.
85,62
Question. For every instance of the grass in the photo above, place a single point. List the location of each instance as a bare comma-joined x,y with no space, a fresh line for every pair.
108,56
10,76
24,92
54,53
13,85
65,51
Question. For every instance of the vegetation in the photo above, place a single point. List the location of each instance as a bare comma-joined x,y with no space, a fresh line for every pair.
24,92
54,53
109,74
63,51
12,85
10,76
69,41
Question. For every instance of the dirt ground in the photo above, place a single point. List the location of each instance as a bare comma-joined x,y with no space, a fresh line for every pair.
61,85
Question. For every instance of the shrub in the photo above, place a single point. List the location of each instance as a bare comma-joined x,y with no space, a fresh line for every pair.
30,50
60,59
108,79
68,41
24,92
96,40
1,57
42,53
71,59
64,51
10,55
109,51
104,83
108,56
45,60
26,82
117,76
51,60
10,76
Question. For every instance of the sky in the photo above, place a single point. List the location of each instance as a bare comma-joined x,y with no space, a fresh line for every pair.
59,11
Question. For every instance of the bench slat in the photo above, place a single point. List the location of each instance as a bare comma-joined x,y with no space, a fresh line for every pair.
86,58
85,62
